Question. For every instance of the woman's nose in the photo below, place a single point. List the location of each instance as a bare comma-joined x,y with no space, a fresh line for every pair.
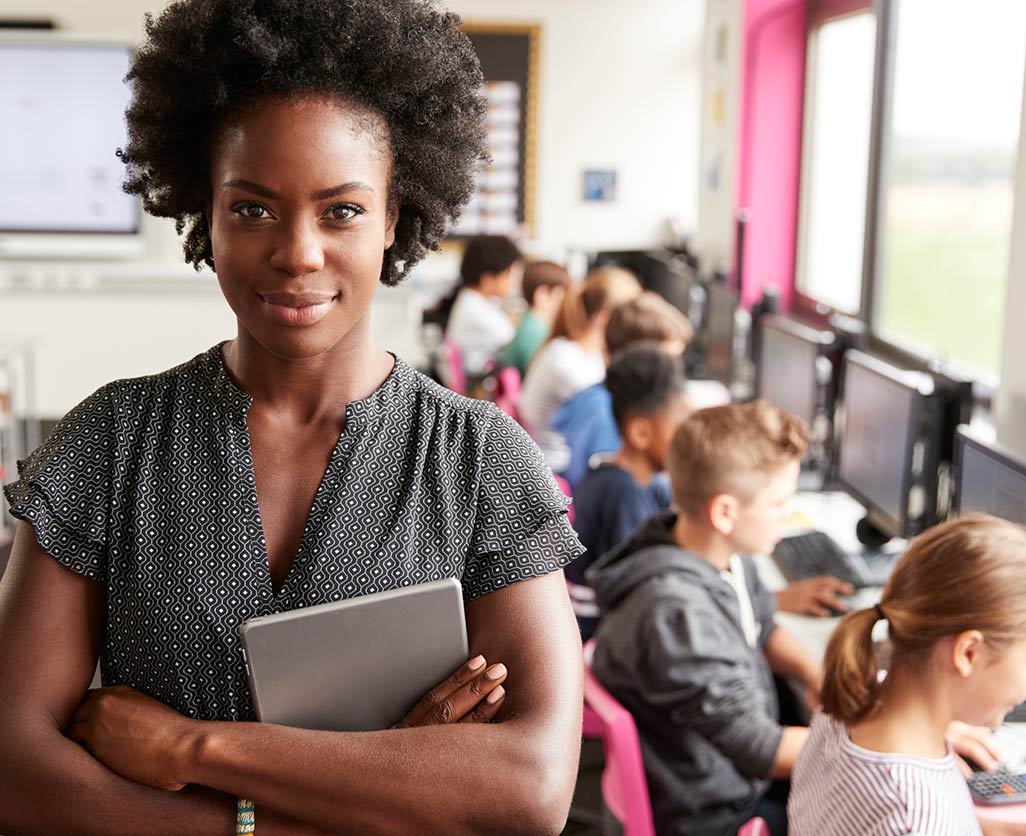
299,251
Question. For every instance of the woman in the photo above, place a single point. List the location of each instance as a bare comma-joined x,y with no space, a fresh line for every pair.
309,149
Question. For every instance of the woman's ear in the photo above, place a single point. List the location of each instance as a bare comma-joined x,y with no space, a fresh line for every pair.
967,649
391,219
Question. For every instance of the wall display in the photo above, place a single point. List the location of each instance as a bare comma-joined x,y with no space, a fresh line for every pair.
504,201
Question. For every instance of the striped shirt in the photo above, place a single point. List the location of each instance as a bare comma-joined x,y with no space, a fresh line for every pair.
840,789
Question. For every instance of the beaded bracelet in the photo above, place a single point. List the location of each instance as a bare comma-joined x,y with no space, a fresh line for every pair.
245,816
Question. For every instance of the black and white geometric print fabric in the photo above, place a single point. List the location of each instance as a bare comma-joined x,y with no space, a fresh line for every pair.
148,488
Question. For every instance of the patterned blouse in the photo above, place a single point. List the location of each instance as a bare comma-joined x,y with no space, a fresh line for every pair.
147,487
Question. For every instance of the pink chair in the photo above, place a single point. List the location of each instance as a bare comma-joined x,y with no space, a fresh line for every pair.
449,365
754,827
624,787
507,391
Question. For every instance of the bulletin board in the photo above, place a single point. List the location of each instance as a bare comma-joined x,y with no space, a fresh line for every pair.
504,202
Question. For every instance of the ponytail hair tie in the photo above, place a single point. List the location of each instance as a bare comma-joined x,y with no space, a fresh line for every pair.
879,612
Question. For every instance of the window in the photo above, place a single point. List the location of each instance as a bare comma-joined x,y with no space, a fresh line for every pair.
946,194
835,160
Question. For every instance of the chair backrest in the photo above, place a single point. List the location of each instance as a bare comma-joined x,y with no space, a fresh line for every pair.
754,827
624,788
507,391
450,367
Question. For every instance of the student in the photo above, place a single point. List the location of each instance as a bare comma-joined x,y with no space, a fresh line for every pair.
312,150
478,326
648,401
687,641
586,420
877,760
574,356
544,286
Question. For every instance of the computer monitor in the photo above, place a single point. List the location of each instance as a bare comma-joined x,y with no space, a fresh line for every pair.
889,443
660,271
989,478
717,335
62,106
790,368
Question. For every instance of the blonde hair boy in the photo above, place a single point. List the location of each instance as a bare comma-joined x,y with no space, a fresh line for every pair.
687,639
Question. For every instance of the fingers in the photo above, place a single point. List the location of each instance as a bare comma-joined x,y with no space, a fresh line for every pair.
443,690
463,701
486,709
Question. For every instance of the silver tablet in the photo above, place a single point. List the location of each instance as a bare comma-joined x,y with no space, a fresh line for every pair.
355,665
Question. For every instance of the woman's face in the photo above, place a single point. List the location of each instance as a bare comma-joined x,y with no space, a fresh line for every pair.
299,222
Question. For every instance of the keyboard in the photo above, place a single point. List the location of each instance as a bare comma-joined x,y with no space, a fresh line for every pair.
815,553
998,787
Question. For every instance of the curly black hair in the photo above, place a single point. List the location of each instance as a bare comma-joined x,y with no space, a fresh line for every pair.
405,60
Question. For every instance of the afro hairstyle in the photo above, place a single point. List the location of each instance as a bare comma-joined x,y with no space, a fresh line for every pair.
407,61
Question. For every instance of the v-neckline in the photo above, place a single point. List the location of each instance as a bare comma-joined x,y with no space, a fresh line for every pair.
357,417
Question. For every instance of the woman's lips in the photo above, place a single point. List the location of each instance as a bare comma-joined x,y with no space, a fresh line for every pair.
297,309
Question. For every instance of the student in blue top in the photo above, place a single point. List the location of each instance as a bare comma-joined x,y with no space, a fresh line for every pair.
648,403
586,420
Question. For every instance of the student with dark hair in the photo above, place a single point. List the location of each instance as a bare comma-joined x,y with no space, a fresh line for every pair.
310,150
586,420
477,324
544,287
646,385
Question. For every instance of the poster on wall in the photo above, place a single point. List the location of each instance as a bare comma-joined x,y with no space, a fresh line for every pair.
493,210
503,203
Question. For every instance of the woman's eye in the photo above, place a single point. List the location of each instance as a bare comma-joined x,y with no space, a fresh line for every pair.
344,212
251,210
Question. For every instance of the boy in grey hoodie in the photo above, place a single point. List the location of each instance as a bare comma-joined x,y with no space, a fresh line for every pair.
687,641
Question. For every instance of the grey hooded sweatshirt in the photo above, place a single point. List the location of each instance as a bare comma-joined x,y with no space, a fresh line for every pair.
671,649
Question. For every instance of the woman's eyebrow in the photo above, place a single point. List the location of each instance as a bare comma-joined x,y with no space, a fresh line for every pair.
323,194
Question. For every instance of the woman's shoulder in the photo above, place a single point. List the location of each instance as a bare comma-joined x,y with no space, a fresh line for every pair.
428,397
202,376
124,397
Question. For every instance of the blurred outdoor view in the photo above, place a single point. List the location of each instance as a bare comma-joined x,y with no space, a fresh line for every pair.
948,194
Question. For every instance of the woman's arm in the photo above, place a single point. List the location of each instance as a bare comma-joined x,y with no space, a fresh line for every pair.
512,776
51,620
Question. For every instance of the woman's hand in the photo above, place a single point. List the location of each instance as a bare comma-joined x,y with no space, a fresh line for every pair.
134,735
473,694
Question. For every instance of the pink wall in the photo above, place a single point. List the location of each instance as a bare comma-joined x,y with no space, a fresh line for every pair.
769,142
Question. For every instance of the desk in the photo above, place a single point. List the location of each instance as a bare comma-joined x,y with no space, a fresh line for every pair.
836,514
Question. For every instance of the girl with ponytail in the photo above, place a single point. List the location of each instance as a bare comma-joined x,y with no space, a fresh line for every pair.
877,759
574,357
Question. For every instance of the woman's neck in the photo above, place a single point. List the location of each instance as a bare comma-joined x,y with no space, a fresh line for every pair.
307,388
912,719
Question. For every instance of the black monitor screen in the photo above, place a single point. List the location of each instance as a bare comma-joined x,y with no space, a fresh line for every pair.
718,337
658,270
990,480
787,370
877,437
